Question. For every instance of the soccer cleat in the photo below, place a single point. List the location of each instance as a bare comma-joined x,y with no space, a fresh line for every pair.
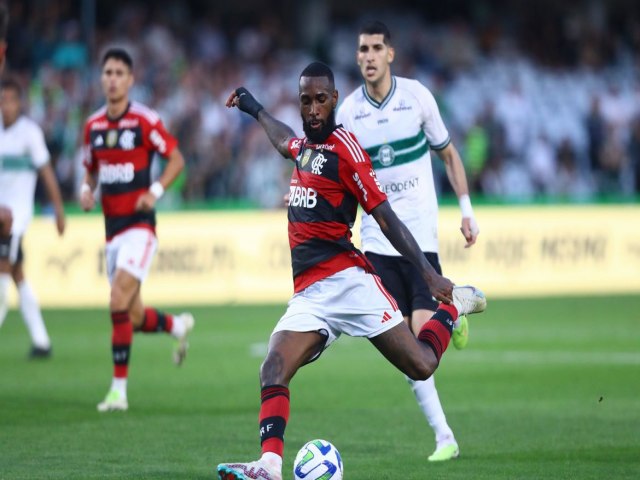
182,345
444,453
258,470
468,299
114,401
39,353
460,334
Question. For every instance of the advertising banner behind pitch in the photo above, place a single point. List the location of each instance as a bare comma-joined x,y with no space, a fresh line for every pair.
243,257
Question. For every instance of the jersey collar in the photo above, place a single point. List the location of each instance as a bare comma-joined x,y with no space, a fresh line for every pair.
119,117
385,100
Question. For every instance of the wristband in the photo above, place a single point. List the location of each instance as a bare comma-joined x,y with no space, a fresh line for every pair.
157,190
84,188
247,102
465,206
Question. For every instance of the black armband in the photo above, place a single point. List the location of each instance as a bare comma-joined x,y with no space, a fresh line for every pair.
247,103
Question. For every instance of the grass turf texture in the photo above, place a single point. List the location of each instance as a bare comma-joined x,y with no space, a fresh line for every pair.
546,389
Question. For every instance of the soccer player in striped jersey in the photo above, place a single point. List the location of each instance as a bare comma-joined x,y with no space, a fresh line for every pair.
120,141
23,158
335,288
397,121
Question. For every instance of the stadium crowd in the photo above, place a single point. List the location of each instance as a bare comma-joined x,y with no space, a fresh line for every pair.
539,109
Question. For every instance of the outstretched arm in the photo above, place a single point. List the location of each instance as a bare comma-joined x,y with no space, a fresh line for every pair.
279,133
403,241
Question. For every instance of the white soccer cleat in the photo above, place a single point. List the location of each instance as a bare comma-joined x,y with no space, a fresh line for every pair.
468,299
182,346
258,470
114,401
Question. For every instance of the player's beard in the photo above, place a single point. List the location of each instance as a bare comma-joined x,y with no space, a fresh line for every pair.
319,136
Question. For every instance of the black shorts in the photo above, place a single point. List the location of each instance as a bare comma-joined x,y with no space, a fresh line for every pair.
6,246
403,280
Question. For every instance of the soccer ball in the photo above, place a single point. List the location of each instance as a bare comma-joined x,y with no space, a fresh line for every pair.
318,460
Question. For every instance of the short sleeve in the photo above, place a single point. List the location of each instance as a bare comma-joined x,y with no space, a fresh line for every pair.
433,126
357,174
160,139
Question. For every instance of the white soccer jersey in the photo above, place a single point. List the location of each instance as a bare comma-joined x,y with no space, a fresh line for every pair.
22,153
397,133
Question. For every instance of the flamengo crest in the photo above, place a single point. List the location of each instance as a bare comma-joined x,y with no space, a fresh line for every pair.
317,163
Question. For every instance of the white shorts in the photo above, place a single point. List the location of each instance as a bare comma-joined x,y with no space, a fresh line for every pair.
132,250
351,301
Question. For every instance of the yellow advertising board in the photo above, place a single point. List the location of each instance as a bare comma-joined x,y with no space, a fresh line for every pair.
243,257
552,250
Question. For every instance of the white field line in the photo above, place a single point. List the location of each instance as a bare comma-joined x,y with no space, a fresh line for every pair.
559,357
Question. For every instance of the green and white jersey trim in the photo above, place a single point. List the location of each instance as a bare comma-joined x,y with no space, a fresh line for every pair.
398,134
16,163
385,100
398,152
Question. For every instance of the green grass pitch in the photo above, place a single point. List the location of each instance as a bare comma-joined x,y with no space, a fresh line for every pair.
546,389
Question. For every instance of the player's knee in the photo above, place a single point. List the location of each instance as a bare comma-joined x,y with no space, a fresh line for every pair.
273,372
269,374
421,369
118,299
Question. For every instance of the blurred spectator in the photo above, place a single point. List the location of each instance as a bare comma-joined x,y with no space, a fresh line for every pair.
634,153
570,182
476,152
509,93
70,52
596,132
613,176
541,163
514,111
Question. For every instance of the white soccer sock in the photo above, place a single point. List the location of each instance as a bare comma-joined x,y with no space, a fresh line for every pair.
120,384
32,316
5,280
429,402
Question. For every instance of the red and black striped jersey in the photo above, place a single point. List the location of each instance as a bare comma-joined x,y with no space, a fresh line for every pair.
328,182
120,151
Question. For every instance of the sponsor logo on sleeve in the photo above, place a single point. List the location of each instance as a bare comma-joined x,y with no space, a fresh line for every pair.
158,141
358,181
375,179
